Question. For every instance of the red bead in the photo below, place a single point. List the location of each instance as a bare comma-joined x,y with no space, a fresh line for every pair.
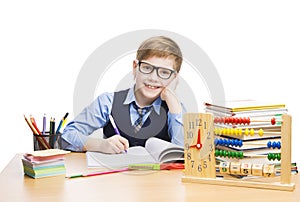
273,121
222,120
235,120
248,121
226,120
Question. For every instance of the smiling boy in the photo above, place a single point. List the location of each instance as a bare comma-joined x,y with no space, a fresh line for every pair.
148,109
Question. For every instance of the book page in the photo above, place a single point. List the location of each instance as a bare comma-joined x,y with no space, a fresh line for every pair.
163,151
134,155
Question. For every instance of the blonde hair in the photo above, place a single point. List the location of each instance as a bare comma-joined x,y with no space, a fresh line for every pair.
160,46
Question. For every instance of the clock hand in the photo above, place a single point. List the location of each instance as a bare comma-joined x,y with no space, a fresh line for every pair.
198,145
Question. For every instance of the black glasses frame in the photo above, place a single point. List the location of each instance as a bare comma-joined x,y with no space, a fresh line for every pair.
155,68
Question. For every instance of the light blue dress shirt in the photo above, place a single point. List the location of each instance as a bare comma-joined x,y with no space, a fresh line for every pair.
96,116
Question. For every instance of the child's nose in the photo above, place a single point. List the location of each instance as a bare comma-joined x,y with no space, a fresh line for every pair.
153,75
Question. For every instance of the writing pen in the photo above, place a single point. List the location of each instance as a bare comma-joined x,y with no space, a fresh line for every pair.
114,126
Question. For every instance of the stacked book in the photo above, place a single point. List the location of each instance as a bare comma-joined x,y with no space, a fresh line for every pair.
44,163
247,128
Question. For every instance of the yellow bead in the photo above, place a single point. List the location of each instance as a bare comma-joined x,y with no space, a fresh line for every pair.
246,131
241,132
261,132
251,131
236,131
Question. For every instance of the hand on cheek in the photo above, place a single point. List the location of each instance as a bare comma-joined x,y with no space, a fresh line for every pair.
169,90
168,94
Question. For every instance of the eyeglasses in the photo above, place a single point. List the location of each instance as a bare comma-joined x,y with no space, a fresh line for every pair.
161,72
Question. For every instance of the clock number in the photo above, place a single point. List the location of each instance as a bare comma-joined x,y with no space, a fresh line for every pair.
208,135
191,125
192,162
199,168
188,155
187,146
189,135
198,122
204,164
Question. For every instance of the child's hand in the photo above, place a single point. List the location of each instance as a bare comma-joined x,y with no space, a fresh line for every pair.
168,94
115,144
169,90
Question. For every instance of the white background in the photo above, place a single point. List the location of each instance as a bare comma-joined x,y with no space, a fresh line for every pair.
254,45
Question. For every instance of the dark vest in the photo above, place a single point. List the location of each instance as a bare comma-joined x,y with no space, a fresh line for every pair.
154,126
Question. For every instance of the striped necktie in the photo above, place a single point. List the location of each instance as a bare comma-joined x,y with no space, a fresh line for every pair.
141,111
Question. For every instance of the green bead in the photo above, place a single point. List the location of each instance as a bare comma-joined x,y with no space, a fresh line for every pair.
279,156
221,153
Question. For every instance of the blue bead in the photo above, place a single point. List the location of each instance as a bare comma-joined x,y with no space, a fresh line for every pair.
225,142
216,142
240,143
274,145
278,144
221,142
269,144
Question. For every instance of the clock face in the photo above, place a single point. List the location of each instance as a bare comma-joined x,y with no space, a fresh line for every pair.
199,145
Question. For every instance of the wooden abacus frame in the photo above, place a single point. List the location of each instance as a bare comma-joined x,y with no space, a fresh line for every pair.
284,183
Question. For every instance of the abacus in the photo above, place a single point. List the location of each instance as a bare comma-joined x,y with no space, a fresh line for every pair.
225,170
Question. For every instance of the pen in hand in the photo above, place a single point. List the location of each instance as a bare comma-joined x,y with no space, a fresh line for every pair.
114,126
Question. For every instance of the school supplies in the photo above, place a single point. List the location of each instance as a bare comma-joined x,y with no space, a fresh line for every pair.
155,151
44,163
46,139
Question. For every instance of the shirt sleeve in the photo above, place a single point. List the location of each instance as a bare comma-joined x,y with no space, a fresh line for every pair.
91,118
175,122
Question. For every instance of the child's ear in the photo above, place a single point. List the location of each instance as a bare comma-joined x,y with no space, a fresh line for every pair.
134,67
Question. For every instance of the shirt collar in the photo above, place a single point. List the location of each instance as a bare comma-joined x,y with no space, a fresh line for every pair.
131,98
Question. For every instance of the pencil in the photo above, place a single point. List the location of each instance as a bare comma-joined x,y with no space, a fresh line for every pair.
41,140
98,173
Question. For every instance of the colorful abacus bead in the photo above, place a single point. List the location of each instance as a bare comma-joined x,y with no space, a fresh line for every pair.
274,144
274,156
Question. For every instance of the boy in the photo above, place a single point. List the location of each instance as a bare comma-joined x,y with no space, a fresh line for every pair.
150,108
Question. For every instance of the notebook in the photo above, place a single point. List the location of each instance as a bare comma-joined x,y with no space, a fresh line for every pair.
155,151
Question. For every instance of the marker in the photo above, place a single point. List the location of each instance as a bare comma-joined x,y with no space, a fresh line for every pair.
98,173
61,123
114,126
65,119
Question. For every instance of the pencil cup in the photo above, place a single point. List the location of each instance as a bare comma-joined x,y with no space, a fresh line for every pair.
47,141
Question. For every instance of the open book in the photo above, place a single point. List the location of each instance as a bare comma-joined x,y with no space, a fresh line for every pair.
155,151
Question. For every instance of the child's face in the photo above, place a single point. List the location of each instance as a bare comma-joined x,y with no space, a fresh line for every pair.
149,85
